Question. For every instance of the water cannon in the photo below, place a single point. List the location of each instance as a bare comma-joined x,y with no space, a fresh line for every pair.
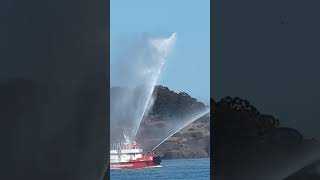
126,138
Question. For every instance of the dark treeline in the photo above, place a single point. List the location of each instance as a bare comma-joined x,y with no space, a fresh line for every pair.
166,102
250,145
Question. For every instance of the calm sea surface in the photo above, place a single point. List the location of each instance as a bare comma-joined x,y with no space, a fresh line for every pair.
197,169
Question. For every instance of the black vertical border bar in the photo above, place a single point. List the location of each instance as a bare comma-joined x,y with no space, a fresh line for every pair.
213,59
33,35
106,20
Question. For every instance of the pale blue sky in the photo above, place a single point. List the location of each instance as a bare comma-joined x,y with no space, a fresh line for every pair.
188,66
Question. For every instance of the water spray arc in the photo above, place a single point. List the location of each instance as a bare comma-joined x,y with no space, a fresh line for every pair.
196,117
162,47
139,70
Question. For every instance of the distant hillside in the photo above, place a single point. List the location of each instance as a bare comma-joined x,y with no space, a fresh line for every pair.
192,141
168,102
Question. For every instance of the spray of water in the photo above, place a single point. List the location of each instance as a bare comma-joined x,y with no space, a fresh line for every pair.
139,71
155,132
177,129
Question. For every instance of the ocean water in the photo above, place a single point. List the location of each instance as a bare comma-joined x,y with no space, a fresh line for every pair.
186,169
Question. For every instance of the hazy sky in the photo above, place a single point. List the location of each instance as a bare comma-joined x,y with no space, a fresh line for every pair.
188,66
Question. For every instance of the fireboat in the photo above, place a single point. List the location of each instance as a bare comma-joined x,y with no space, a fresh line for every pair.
127,154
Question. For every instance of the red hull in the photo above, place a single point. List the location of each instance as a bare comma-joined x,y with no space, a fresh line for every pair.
144,162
